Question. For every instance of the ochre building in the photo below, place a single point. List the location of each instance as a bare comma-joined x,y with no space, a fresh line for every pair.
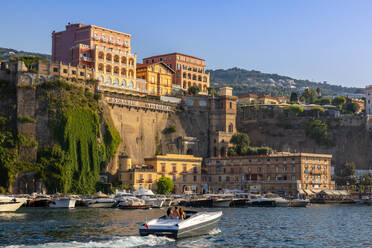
158,76
184,170
190,70
106,51
283,173
253,99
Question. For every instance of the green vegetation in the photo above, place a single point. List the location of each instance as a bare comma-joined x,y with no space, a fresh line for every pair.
308,96
293,98
193,90
241,146
351,107
29,60
323,101
170,130
256,82
26,118
318,130
339,101
295,109
165,185
76,162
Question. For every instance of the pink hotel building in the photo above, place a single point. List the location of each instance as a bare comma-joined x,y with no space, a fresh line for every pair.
106,51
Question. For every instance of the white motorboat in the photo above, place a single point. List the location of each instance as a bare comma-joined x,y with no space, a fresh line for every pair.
154,202
62,202
279,201
9,204
261,201
132,202
101,201
195,223
221,203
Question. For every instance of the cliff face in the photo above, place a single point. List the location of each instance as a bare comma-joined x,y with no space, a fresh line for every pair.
349,138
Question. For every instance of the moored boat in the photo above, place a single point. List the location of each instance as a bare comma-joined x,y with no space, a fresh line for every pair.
221,203
62,202
9,204
132,202
195,224
299,203
101,201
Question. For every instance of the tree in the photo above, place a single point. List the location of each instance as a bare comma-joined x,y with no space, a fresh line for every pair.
193,90
241,143
308,96
316,111
339,101
352,107
323,101
165,185
293,98
349,170
317,130
319,92
231,152
366,179
211,91
296,109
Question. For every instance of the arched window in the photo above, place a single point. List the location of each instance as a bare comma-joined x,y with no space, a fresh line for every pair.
108,80
123,83
100,79
108,57
116,81
130,85
231,128
124,60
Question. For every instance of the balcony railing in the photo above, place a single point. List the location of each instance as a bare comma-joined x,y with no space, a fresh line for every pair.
149,181
140,181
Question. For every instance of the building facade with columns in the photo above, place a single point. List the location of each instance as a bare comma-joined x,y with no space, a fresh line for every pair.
184,170
106,51
158,76
283,173
189,70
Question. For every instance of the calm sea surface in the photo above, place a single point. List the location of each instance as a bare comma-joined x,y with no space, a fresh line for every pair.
315,226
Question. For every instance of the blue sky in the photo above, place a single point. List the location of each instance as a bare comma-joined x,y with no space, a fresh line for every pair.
320,40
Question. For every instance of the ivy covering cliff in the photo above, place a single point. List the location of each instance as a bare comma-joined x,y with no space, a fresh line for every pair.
83,140
83,143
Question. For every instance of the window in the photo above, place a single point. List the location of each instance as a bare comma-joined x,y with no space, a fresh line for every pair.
227,179
219,178
147,61
152,79
195,178
81,73
163,168
108,80
161,59
184,178
123,83
55,69
73,72
174,178
189,102
153,60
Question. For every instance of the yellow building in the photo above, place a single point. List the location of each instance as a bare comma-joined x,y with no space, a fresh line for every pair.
158,77
285,173
184,170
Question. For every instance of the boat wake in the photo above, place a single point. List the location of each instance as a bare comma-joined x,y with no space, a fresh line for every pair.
122,242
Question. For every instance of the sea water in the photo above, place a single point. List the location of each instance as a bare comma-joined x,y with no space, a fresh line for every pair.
314,226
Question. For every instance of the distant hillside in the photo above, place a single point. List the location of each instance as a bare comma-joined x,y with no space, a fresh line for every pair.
6,53
244,81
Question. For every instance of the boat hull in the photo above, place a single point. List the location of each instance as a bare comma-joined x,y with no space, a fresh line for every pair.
62,203
221,203
10,206
135,206
195,230
268,203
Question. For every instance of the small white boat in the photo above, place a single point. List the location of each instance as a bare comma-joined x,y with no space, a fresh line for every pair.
101,201
194,224
62,202
9,204
132,202
221,203
279,201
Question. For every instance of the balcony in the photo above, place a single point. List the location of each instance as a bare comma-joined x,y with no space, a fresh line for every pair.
140,181
149,181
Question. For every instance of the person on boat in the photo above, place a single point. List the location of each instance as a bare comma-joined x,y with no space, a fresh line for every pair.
169,212
181,214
